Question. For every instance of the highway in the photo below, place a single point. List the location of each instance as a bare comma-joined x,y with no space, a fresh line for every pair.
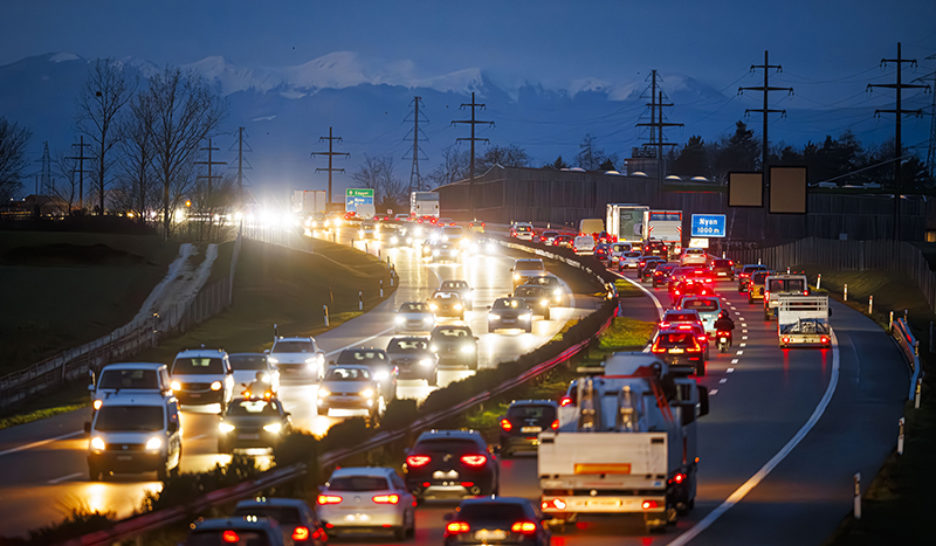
45,471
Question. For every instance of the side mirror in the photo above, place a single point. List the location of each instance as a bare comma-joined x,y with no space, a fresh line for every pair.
287,413
703,401
173,427
87,427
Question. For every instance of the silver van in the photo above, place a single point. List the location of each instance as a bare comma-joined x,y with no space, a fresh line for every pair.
201,377
129,378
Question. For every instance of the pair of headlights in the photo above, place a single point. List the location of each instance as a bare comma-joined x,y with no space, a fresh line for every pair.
272,428
153,443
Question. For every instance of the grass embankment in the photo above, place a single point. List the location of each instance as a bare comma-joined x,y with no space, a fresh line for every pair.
627,290
897,504
62,289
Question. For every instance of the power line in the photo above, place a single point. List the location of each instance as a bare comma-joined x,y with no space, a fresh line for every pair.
416,154
898,112
210,163
330,154
472,139
80,158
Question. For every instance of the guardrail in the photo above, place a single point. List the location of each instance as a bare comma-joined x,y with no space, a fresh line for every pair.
137,525
910,349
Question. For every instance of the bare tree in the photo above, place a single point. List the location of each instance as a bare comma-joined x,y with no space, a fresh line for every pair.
454,167
138,178
184,111
13,140
105,93
377,173
65,185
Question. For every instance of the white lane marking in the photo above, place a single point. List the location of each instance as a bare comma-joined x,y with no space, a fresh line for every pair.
730,370
744,330
743,345
739,353
743,337
39,443
734,360
199,437
64,478
359,342
723,380
713,392
752,482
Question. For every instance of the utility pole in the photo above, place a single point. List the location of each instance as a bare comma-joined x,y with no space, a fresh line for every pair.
330,153
80,158
931,150
240,164
657,124
898,115
472,139
209,202
415,182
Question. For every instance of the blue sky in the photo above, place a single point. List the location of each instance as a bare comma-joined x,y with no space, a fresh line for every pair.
546,41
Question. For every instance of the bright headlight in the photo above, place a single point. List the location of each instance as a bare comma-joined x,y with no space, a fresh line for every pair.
97,404
153,443
493,316
367,393
516,276
433,307
458,307
399,320
176,386
265,377
225,427
467,349
557,292
216,385
434,348
310,360
544,302
435,252
428,320
426,362
272,360
381,375
394,240
526,316
98,443
273,428
323,392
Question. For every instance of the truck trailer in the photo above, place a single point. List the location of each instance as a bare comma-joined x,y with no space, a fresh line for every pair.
627,222
803,321
424,204
665,226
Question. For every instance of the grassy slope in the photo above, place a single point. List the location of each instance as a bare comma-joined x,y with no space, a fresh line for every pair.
49,307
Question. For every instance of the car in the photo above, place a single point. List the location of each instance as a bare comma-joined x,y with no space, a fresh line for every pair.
414,316
367,499
521,425
680,316
452,234
499,520
450,463
548,237
247,365
446,303
679,347
455,345
382,370
369,231
537,297
297,357
557,290
617,251
215,531
462,287
412,357
708,308
202,377
723,268
476,227
656,248
778,285
525,269
393,235
445,221
349,387
135,433
401,217
445,253
562,240
756,285
629,260
694,256
661,274
253,423
510,313
298,523
522,231
646,267
583,245
679,289
744,275
603,252
129,378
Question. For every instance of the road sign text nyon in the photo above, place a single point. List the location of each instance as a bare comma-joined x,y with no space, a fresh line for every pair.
708,225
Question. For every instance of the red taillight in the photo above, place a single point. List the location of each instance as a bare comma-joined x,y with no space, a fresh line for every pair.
300,533
230,537
824,340
556,504
555,423
416,461
386,499
328,499
457,527
657,349
679,477
474,461
319,534
805,292
786,340
684,327
565,401
703,339
649,504
506,425
523,527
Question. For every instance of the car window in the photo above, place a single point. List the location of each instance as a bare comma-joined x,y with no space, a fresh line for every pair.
281,514
676,339
507,303
632,254
786,285
454,285
358,483
128,379
526,291
354,356
248,362
722,263
530,411
416,344
760,277
129,418
237,537
439,295
701,305
197,365
488,511
256,408
293,347
347,374
681,317
413,308
447,445
451,332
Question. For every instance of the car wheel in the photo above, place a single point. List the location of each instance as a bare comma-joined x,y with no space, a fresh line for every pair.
473,365
529,329
505,453
490,328
411,529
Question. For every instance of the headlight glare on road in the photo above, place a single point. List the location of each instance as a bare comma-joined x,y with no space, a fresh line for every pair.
426,362
273,428
526,316
216,385
225,427
467,349
175,386
153,443
97,443
367,393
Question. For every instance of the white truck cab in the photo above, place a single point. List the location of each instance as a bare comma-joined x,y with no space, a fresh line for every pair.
135,433
201,377
129,378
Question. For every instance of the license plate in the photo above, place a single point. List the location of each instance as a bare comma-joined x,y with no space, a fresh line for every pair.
124,457
249,436
194,395
531,429
490,534
509,321
440,475
676,351
604,503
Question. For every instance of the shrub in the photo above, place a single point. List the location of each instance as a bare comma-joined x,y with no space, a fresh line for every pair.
401,412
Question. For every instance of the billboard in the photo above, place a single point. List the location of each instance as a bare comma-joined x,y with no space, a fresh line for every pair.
788,190
708,225
745,190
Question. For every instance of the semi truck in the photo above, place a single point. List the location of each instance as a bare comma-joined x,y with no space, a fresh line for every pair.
803,321
665,226
627,222
625,444
308,202
424,204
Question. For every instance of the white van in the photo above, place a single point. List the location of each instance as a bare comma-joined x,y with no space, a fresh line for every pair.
129,378
584,245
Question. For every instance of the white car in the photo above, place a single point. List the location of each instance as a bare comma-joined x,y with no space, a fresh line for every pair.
367,499
693,256
584,245
525,269
522,231
414,316
201,377
298,356
350,388
130,378
630,260
617,251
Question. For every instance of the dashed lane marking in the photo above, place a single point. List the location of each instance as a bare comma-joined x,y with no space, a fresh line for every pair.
734,360
739,353
40,443
730,370
723,380
713,392
743,345
65,478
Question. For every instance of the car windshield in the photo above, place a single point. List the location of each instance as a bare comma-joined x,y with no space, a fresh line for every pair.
129,418
492,511
454,285
251,407
358,483
197,365
281,514
217,537
530,265
619,247
632,254
530,411
681,317
507,303
444,295
415,344
547,280
448,445
701,305
451,333
413,308
760,277
248,362
360,355
527,291
128,379
293,347
549,234
719,263
347,374
787,285
676,339
523,228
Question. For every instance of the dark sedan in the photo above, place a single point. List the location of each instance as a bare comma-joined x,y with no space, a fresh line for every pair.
412,357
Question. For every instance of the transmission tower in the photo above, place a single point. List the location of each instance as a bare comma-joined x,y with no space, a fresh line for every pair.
472,139
415,182
898,112
765,110
657,123
44,182
931,151
209,177
242,146
330,153
81,158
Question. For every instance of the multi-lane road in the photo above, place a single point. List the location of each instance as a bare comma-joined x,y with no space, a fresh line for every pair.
44,465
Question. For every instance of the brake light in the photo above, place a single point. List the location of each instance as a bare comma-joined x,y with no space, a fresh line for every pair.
474,461
300,533
416,461
328,499
386,499
457,528
664,325
684,327
523,527
230,537
702,338
555,424
649,504
506,425
565,401
824,340
805,292
679,477
557,504
657,349
786,340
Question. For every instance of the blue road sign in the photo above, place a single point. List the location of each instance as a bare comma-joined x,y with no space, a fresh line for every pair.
708,225
355,197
